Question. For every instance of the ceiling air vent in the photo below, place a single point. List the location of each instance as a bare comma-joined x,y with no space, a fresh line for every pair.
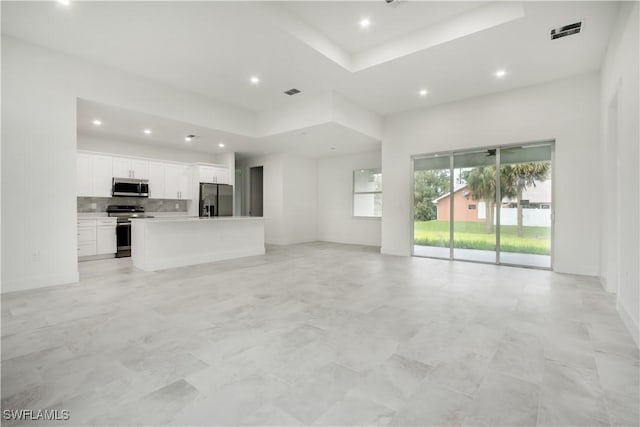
566,30
292,91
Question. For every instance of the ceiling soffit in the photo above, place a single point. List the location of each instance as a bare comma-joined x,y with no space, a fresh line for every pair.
465,24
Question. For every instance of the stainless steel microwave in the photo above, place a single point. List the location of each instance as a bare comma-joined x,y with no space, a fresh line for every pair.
130,187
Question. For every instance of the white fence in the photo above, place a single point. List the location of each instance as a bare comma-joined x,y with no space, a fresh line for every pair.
532,217
509,216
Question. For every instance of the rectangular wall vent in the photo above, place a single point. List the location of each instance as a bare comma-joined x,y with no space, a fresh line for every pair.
291,91
566,30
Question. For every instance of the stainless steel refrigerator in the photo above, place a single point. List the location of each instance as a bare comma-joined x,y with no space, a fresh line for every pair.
216,200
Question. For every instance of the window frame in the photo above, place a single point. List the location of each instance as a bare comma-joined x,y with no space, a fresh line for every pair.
354,193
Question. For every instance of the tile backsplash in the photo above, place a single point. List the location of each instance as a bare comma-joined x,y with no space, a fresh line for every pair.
150,205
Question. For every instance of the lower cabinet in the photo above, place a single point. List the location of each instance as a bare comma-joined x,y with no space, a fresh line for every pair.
96,237
106,240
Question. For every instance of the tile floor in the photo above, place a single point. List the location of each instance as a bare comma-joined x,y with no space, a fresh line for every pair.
321,334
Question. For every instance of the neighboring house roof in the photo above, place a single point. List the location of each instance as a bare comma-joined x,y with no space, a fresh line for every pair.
456,188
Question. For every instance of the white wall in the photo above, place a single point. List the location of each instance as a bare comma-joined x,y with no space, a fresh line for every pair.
566,110
39,92
335,200
131,148
355,117
296,114
300,199
290,197
620,159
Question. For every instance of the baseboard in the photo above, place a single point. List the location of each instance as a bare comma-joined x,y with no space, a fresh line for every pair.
36,282
350,242
628,321
603,282
96,257
575,269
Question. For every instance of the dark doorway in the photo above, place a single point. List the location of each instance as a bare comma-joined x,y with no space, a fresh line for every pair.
255,191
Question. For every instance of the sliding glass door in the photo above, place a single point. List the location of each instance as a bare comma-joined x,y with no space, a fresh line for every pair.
473,206
526,209
431,185
464,209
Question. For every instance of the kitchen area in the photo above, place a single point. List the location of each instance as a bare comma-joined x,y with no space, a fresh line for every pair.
134,200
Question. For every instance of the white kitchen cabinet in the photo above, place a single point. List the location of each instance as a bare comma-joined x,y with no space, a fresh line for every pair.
221,175
176,182
97,237
106,239
83,175
101,174
93,175
213,174
157,180
87,237
125,167
121,167
140,169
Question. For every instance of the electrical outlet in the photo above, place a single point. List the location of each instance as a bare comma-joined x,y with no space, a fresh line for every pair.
35,256
93,205
177,205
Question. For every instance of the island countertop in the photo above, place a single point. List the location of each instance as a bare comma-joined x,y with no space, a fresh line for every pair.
169,242
198,218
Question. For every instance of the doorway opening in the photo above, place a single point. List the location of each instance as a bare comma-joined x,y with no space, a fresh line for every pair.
256,191
492,205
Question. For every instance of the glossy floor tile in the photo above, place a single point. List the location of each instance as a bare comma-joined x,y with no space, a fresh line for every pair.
320,334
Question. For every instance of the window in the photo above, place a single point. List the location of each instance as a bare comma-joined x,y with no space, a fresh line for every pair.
367,193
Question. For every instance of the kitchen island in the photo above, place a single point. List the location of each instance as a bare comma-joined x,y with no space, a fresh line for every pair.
161,243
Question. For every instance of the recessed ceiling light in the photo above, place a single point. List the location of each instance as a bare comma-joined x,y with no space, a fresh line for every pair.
221,145
254,80
188,138
97,122
501,73
147,131
64,2
365,22
423,92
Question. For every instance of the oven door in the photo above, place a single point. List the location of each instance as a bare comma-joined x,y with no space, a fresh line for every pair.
123,239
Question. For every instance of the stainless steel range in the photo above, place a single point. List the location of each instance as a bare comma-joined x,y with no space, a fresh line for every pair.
124,213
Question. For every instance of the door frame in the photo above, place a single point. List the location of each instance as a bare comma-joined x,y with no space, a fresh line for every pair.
450,153
250,198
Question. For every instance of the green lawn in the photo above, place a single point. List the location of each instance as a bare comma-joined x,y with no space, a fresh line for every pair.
473,235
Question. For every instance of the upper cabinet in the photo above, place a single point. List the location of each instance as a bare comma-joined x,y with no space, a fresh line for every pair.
93,175
176,182
167,180
157,180
125,167
212,174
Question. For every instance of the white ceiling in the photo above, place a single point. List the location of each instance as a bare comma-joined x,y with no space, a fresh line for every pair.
212,48
339,20
122,124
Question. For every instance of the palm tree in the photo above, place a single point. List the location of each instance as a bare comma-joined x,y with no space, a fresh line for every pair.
482,185
517,178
